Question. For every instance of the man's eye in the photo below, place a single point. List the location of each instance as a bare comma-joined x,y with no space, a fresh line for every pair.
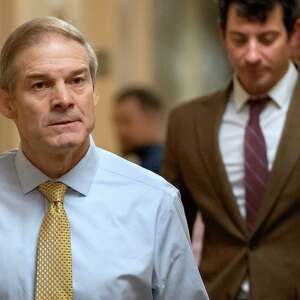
268,39
77,80
239,40
39,85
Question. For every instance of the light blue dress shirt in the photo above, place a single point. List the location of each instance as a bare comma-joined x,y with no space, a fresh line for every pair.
128,230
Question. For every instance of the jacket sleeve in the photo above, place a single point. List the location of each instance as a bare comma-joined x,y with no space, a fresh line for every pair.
171,167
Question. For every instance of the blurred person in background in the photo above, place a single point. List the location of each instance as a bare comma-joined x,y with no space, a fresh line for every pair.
234,155
295,44
76,221
138,115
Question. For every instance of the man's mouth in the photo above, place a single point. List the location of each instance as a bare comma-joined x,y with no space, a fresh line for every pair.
63,122
252,70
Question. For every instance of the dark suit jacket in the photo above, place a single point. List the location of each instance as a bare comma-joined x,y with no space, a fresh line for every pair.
271,254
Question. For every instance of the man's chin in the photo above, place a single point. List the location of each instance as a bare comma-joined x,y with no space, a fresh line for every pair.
68,142
258,86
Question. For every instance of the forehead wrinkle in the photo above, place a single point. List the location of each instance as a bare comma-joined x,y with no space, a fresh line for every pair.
44,68
55,49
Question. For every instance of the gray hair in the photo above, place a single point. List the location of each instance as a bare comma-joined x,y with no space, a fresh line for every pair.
29,34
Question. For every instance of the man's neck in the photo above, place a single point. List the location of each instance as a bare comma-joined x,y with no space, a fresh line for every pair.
54,164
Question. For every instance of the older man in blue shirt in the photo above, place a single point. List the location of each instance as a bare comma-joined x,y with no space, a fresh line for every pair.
78,222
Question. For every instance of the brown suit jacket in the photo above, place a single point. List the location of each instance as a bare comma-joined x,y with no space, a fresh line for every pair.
271,254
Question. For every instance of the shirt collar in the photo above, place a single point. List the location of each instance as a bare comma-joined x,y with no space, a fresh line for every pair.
79,178
282,92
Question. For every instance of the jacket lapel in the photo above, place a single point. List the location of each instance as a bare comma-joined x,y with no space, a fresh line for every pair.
207,125
286,158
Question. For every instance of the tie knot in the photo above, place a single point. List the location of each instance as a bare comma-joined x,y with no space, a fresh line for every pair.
53,191
257,104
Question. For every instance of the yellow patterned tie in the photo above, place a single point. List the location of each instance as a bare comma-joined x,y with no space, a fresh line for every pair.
54,259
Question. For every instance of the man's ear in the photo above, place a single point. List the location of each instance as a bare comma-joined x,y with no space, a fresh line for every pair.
6,106
295,35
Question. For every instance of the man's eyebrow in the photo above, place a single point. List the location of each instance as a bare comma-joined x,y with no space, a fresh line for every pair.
84,70
275,32
269,31
38,75
35,76
234,32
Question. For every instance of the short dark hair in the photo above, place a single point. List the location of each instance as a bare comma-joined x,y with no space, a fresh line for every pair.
257,10
147,98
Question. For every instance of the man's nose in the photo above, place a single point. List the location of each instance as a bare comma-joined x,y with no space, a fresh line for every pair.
253,52
62,97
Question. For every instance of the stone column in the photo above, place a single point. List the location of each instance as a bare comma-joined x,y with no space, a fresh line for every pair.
189,59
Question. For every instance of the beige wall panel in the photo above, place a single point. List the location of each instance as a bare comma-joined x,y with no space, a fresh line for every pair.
97,22
134,51
69,10
7,18
8,133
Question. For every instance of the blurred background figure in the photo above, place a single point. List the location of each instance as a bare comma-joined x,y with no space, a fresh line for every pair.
295,46
138,119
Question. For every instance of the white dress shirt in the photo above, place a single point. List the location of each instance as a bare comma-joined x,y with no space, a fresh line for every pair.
235,118
128,230
232,130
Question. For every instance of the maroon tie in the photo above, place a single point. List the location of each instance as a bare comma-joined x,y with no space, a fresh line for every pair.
256,162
